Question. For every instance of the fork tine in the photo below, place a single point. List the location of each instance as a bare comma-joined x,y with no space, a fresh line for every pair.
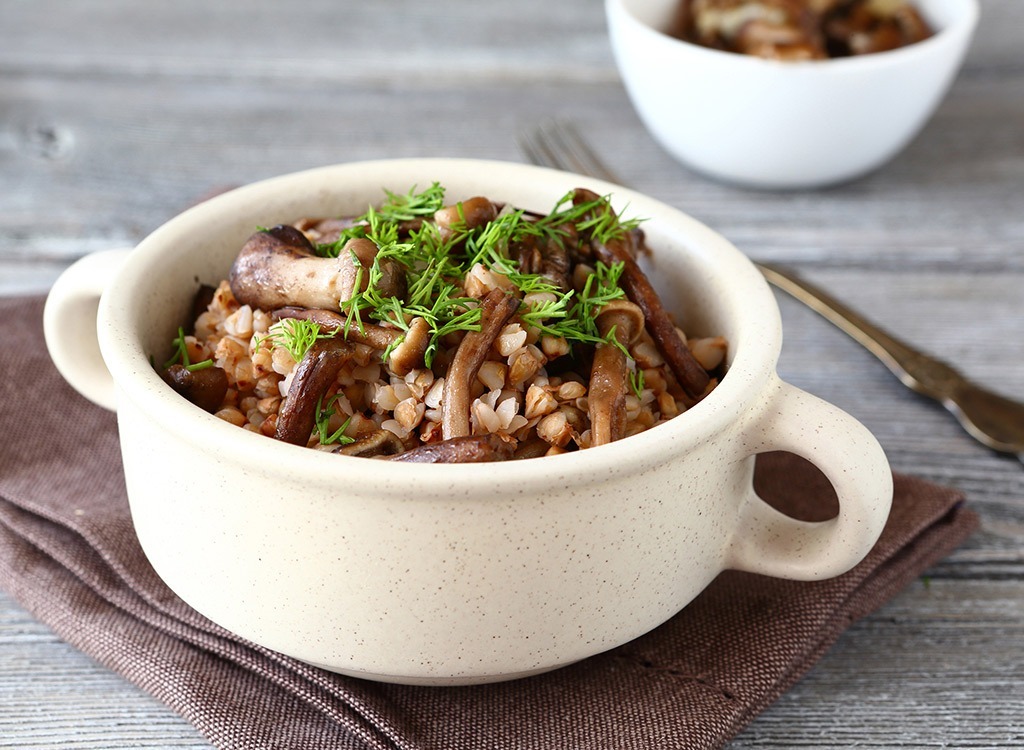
534,146
558,144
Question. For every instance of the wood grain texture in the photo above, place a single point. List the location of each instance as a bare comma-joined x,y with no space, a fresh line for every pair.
116,115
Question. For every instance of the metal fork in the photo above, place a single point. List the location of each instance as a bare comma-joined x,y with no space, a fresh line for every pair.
993,420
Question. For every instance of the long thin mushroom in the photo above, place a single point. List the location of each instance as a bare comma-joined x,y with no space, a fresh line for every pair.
407,347
606,395
278,267
691,376
496,310
313,376
461,450
378,443
550,260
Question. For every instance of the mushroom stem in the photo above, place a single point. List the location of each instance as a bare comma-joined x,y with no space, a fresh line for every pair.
496,309
606,395
680,360
461,450
550,260
280,267
409,346
379,443
316,372
691,376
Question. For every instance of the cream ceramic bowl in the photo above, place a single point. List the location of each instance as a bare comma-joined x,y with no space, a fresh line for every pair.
771,124
455,574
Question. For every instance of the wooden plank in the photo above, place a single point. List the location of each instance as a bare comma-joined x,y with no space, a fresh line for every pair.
945,659
940,666
53,696
316,40
321,39
102,163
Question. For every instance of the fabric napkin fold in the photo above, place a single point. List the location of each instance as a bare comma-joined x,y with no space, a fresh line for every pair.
69,554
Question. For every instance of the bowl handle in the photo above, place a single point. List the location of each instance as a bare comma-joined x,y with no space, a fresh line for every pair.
69,325
769,542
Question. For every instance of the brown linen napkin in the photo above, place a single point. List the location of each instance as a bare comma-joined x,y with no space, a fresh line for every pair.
68,553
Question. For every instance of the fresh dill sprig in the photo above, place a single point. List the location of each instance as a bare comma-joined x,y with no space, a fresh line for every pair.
447,313
436,262
324,412
636,381
412,205
593,217
490,247
489,244
181,355
295,335
604,226
545,316
396,209
601,287
467,320
433,265
574,317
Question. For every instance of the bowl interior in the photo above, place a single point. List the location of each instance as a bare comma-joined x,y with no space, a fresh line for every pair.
705,281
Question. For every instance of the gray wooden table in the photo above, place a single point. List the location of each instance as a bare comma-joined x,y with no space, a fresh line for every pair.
115,115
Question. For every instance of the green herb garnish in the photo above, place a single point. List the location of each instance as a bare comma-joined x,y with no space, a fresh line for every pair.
324,412
181,355
295,335
594,217
398,208
436,264
636,382
412,205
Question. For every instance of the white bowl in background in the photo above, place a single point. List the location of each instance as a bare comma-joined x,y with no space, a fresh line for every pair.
775,124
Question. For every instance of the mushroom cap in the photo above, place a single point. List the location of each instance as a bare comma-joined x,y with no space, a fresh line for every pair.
625,317
279,267
408,355
470,213
205,387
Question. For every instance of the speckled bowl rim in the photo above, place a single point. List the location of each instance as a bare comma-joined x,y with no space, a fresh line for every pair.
751,365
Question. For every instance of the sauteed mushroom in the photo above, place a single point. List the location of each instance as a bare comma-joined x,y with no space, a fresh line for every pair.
205,388
280,267
687,370
497,307
313,376
405,357
468,214
609,372
509,334
378,443
461,450
800,29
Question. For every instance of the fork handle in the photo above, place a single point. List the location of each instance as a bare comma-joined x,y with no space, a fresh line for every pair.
919,371
990,418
